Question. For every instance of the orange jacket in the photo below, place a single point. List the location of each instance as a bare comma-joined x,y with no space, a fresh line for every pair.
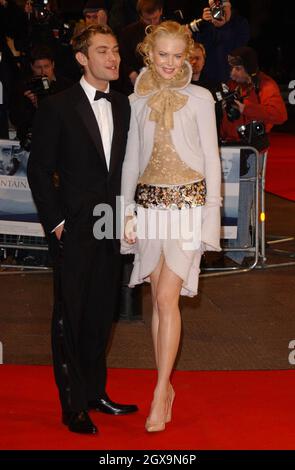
271,109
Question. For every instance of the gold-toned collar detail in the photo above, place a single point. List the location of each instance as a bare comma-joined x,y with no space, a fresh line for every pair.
164,97
149,81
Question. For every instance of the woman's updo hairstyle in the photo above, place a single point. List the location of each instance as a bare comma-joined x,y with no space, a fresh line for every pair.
166,28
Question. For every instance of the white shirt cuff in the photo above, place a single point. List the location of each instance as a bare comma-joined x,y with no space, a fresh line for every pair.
59,225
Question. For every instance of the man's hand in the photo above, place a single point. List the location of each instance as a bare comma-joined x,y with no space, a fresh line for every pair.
207,15
240,106
32,97
58,231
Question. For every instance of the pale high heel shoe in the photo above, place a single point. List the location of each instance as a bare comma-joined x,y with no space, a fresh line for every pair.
154,427
160,426
170,403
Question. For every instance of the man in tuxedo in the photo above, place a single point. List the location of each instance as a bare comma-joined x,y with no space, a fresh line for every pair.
80,134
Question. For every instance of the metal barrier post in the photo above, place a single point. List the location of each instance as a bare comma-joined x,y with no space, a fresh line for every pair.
216,271
272,239
262,211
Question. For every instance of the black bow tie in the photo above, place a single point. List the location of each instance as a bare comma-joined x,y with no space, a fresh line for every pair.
101,94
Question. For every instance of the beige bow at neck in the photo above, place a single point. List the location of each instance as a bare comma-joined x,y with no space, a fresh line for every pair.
165,99
163,104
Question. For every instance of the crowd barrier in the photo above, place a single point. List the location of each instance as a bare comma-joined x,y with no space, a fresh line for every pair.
249,183
20,230
260,241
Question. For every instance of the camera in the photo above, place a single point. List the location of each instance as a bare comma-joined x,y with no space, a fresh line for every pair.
64,33
227,98
41,12
39,85
217,12
254,134
255,128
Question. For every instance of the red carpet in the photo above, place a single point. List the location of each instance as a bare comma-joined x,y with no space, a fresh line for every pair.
213,410
280,174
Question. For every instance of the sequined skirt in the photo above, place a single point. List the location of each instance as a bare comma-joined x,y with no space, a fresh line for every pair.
171,197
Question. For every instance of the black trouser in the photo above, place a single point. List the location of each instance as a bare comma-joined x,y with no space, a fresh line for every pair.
86,287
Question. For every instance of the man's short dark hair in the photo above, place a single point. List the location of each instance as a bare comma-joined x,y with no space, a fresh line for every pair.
148,6
92,6
82,40
41,52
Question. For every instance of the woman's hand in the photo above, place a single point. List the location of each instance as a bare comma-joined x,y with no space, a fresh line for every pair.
130,229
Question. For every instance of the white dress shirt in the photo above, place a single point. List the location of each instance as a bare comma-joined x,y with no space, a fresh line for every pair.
103,114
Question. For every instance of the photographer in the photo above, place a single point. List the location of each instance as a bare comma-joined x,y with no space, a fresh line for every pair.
258,99
11,19
41,83
220,30
149,12
4,96
8,74
94,12
43,22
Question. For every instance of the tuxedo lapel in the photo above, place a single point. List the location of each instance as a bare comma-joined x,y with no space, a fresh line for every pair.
116,149
86,113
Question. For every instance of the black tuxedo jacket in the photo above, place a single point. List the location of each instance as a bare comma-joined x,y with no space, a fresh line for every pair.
66,140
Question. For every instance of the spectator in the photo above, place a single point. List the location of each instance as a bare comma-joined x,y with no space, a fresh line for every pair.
219,38
150,12
11,19
261,102
42,22
5,77
94,12
25,100
179,10
122,13
198,60
8,75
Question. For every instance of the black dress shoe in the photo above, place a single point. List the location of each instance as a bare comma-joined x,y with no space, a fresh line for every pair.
105,405
79,422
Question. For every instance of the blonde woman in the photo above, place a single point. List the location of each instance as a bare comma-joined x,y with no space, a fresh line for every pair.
171,188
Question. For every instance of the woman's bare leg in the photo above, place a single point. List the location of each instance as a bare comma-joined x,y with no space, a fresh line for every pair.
155,317
166,287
